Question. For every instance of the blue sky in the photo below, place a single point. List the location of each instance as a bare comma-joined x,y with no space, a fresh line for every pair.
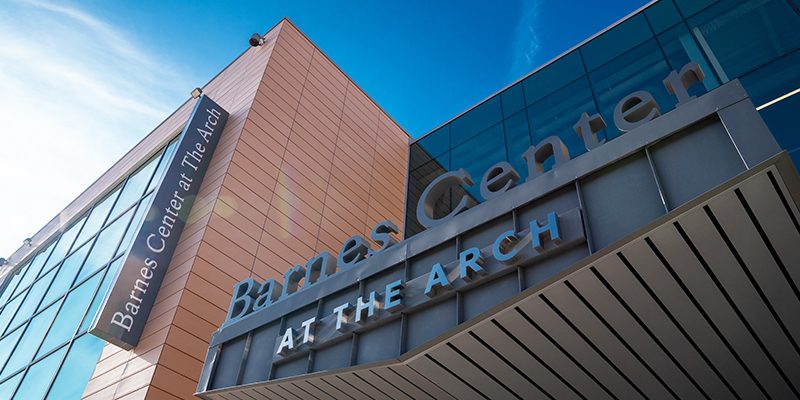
81,82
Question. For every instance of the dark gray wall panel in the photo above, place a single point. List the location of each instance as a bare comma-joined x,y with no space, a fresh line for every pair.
487,233
332,357
443,254
230,359
487,295
426,324
379,344
259,361
701,156
294,367
620,199
539,271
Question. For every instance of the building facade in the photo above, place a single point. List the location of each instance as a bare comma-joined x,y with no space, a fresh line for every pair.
605,273
306,159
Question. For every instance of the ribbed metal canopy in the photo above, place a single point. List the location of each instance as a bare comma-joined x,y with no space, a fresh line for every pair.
702,303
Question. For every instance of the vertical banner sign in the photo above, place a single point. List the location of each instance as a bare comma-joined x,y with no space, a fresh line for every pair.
127,303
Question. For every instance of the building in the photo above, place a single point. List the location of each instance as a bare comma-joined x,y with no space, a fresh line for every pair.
659,262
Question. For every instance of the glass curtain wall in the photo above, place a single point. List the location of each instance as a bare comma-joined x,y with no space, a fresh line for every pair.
47,306
756,41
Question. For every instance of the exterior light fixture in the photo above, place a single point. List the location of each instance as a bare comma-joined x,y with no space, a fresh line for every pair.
27,242
196,93
256,40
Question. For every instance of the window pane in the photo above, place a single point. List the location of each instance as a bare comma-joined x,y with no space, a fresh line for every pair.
100,294
70,315
681,49
105,246
134,225
518,140
642,68
7,388
418,180
477,155
31,302
741,38
135,186
162,165
38,262
12,286
512,100
553,77
690,7
66,274
39,376
616,41
30,341
7,346
556,115
64,244
97,217
77,368
662,15
436,143
770,83
475,121
8,312
29,276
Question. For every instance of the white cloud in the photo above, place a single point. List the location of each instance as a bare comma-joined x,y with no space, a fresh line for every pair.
528,42
76,93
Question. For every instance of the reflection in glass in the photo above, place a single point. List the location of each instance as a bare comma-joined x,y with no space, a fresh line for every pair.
477,155
553,77
66,274
681,49
100,293
7,388
162,165
97,217
32,300
77,368
10,309
616,41
12,286
419,179
432,145
7,345
39,375
135,186
513,100
134,224
105,246
643,68
741,38
70,315
30,341
475,121
662,15
64,244
518,140
555,115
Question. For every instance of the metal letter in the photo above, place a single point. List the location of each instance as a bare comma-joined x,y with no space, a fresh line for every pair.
381,234
269,293
498,179
437,281
287,343
353,250
503,249
535,156
320,267
342,314
308,330
550,229
435,190
244,293
679,83
470,263
635,110
394,296
587,128
369,307
291,279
